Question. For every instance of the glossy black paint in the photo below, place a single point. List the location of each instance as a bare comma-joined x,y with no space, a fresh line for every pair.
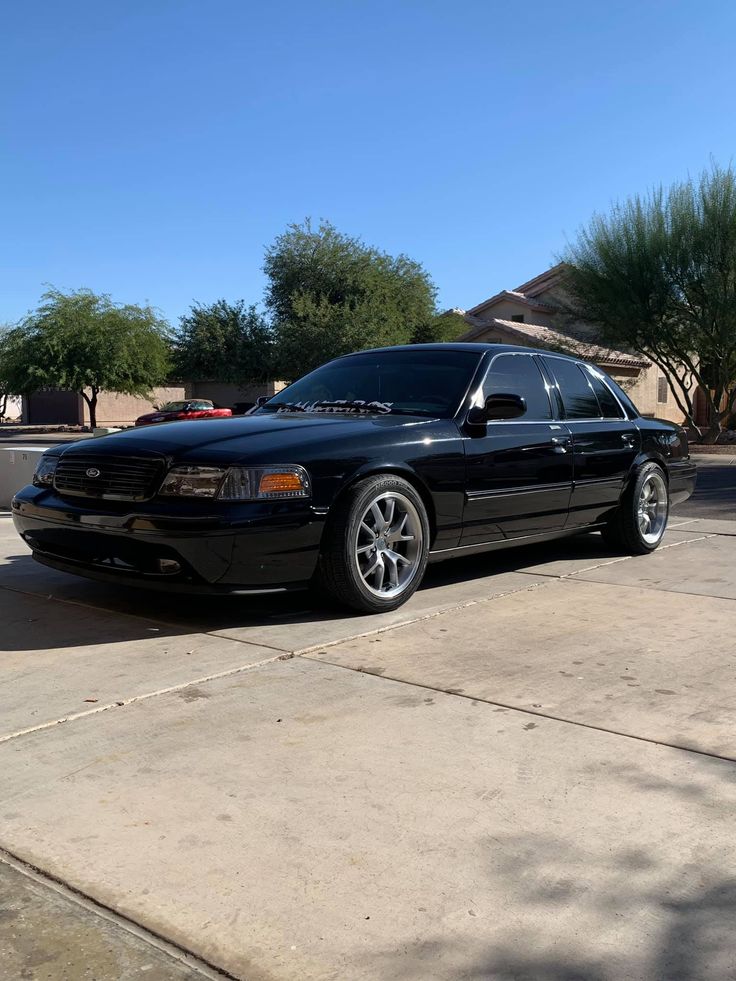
484,485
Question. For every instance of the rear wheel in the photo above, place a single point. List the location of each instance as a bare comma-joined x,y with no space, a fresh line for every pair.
376,544
641,518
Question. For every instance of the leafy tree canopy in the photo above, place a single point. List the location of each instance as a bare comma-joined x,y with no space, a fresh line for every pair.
658,274
330,294
223,341
85,343
442,328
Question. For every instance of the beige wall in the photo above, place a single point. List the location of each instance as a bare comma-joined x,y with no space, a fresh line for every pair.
114,409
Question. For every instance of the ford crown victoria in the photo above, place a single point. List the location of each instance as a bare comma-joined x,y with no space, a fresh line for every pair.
359,474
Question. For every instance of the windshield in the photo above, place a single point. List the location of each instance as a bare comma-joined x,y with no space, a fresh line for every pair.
180,406
418,382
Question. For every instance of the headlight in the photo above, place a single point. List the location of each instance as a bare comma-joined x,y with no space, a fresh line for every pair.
43,475
237,483
192,481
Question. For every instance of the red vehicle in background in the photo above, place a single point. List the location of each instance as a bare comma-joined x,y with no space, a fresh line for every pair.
191,409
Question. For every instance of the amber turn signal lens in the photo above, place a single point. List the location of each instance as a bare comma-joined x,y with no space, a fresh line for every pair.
279,483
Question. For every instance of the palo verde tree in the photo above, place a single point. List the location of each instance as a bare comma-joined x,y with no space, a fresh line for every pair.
658,274
221,341
83,342
330,294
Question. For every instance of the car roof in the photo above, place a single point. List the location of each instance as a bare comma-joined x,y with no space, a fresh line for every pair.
477,347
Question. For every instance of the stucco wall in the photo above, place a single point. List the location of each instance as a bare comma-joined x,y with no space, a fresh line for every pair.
114,409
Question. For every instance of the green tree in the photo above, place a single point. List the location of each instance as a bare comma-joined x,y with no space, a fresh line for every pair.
228,342
330,294
85,343
658,274
440,329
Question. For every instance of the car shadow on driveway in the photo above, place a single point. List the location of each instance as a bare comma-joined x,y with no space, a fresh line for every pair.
447,584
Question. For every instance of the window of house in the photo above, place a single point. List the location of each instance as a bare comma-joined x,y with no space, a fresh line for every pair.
662,389
518,374
517,318
577,393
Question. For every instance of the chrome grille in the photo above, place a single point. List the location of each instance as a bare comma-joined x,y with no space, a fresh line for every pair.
117,478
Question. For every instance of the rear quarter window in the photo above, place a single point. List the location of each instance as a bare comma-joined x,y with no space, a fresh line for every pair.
610,408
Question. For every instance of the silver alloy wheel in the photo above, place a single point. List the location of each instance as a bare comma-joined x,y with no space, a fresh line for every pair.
652,508
388,544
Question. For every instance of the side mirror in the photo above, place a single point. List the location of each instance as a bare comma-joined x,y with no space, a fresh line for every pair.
501,406
261,400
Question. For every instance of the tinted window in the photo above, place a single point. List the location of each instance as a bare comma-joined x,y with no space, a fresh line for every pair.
577,395
518,374
631,409
421,382
609,406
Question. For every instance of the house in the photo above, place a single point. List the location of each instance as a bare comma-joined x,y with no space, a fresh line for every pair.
537,314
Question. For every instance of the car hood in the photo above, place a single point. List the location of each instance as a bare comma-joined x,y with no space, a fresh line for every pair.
283,436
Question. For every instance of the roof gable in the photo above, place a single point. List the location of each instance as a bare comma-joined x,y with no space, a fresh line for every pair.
517,297
544,281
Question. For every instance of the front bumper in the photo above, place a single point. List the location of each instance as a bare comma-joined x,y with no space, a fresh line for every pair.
191,546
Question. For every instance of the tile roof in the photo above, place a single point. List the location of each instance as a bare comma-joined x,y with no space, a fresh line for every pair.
545,337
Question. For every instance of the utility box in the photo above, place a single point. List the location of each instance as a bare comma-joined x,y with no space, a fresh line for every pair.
16,469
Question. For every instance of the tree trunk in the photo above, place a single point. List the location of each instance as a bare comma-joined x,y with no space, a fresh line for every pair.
92,406
711,435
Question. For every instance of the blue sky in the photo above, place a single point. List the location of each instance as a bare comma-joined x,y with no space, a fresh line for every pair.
152,148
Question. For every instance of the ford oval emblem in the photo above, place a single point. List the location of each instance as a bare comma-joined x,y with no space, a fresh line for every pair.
92,472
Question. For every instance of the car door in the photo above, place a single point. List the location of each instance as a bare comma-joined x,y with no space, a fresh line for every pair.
518,471
605,442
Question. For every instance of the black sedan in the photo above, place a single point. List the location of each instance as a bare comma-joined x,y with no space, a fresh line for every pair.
359,474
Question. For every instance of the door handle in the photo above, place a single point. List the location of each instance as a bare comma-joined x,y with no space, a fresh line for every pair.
627,439
560,444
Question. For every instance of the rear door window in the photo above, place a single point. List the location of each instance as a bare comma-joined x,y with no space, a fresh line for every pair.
609,406
518,374
577,393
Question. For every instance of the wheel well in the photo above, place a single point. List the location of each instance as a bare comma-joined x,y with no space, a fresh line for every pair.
636,467
411,478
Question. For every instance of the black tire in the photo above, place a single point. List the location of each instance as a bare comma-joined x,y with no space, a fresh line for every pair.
624,531
339,571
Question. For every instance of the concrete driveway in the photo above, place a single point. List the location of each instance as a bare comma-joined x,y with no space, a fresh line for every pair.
526,773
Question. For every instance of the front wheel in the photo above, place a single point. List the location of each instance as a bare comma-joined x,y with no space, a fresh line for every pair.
376,544
641,518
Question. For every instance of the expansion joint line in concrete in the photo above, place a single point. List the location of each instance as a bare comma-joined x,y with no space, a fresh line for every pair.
57,885
121,703
527,711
